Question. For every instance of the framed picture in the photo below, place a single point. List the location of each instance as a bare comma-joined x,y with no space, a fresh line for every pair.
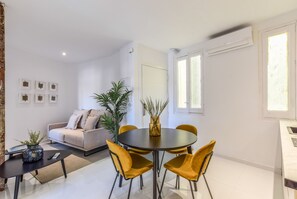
39,85
53,99
52,86
24,98
25,84
39,98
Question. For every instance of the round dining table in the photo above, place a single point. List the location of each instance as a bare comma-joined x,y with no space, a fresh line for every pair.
169,139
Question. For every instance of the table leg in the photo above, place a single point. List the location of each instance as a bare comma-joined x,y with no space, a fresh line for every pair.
16,186
63,167
155,170
189,149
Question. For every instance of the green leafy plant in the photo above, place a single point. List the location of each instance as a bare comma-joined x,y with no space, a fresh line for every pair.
115,101
154,108
34,138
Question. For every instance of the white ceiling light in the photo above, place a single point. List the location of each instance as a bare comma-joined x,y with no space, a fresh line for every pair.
64,54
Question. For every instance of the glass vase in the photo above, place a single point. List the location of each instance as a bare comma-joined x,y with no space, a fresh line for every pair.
155,127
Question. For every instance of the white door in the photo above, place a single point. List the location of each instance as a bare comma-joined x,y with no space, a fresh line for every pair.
154,85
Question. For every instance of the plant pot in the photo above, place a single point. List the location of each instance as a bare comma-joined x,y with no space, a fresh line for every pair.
33,153
155,127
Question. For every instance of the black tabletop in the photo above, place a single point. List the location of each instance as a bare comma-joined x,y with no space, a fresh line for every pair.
15,166
169,139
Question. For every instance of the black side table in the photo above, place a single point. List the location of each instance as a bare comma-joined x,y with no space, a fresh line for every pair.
14,167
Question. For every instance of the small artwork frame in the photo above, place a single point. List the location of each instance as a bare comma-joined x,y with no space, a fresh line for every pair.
39,98
25,84
40,85
24,98
53,99
53,87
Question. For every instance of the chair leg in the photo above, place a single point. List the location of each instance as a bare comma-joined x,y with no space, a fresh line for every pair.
177,182
207,186
160,166
113,184
141,182
5,181
191,189
36,172
162,183
130,187
195,186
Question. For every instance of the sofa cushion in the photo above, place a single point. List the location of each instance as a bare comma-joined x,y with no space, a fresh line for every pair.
83,119
91,123
57,134
75,137
97,113
73,121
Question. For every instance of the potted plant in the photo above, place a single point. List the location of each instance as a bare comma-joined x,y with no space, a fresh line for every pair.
34,151
115,101
154,109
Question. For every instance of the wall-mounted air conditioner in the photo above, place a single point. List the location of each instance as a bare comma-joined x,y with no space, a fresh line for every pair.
231,41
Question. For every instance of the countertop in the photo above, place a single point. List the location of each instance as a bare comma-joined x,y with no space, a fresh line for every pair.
289,154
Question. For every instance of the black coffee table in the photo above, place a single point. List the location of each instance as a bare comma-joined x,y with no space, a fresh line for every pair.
14,167
169,139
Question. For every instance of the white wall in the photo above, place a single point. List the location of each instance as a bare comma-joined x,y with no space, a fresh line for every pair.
96,77
233,104
23,117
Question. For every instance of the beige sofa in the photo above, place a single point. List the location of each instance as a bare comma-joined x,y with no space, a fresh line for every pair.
89,141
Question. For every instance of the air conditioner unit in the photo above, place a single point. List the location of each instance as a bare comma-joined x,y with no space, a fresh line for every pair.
231,41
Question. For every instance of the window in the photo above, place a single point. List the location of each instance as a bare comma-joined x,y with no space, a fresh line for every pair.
279,72
189,83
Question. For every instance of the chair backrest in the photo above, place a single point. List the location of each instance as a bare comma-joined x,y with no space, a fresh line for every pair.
120,157
126,128
202,157
188,127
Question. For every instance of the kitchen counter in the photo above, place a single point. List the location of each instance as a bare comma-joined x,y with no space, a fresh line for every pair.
289,158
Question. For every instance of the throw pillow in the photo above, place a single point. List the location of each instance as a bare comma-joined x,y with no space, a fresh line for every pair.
97,113
73,121
91,123
82,121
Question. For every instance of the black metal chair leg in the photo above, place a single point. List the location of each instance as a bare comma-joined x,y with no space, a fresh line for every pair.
141,182
162,183
36,172
5,181
207,186
130,187
160,166
191,189
113,184
195,186
120,181
177,182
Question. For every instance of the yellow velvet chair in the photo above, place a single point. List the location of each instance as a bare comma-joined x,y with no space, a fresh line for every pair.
128,165
186,127
191,167
126,128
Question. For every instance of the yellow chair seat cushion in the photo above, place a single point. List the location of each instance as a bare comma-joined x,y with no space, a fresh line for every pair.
181,165
139,166
139,151
178,151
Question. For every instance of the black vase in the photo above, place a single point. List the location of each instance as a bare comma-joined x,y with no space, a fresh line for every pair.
33,153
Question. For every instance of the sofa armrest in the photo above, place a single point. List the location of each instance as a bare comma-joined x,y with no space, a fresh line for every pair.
96,137
56,125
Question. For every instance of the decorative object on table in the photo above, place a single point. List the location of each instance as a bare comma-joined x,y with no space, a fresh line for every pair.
53,99
154,109
24,98
115,101
52,86
39,98
40,85
34,151
25,84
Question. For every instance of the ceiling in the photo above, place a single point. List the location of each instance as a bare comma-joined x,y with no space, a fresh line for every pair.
89,29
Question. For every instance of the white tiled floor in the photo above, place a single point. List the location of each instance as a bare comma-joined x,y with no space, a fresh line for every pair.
227,180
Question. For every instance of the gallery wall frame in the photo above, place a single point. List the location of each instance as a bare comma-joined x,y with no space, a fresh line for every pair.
40,85
52,98
52,86
25,84
24,98
39,98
